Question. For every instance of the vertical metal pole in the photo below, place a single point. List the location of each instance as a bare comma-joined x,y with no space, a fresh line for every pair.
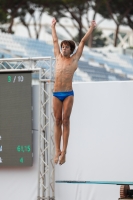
50,97
49,86
51,162
49,127
44,152
46,142
39,132
42,166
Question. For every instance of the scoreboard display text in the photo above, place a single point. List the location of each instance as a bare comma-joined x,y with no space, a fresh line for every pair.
15,119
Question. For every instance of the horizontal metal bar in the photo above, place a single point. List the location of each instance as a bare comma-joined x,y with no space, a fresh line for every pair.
20,70
98,182
47,80
25,59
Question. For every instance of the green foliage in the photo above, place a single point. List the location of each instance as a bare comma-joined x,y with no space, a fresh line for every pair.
73,10
98,39
3,17
130,47
9,11
117,10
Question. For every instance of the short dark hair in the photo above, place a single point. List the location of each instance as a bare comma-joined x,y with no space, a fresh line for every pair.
70,43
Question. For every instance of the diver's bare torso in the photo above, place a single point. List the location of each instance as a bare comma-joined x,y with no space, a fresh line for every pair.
64,70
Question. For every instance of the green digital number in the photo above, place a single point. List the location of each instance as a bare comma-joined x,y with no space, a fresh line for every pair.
9,79
21,160
23,148
18,148
28,148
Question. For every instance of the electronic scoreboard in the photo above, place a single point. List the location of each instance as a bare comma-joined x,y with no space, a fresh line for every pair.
15,119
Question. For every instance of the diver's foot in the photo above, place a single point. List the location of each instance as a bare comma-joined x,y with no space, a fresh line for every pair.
56,158
62,158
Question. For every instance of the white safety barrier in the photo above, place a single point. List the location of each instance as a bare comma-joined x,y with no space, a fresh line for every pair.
100,145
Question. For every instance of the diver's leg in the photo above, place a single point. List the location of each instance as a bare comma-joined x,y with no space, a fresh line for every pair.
57,108
67,108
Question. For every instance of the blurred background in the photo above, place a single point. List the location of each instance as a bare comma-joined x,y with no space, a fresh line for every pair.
25,31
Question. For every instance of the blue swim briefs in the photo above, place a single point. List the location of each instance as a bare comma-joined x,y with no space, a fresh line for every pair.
62,95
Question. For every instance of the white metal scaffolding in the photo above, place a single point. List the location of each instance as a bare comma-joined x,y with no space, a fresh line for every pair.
43,68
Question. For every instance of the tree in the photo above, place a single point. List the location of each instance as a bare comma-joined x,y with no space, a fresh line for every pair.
98,40
11,11
3,20
117,11
76,11
128,21
32,11
69,9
